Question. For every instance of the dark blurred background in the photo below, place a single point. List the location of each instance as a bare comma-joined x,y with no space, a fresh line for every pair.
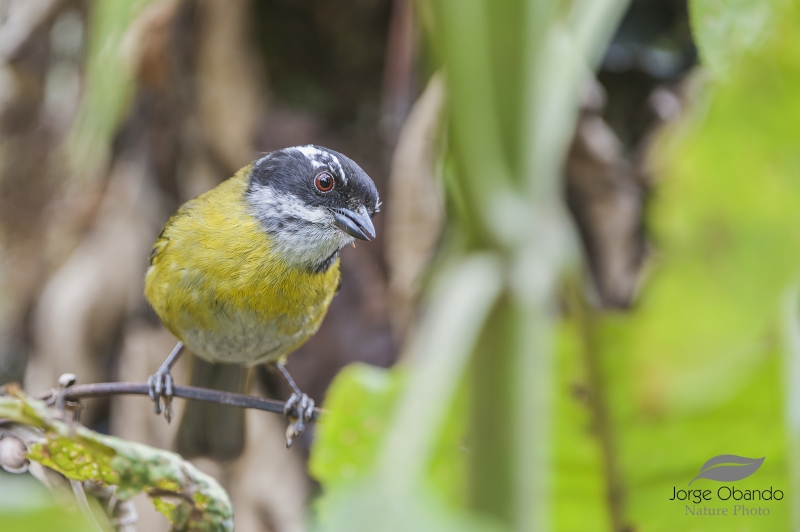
114,113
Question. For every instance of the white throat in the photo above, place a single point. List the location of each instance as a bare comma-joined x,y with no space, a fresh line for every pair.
303,236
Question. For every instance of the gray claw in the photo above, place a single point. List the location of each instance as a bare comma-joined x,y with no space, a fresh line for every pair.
151,391
168,385
288,408
299,409
160,386
168,397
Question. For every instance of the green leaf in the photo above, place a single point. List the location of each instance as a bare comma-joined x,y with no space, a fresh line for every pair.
109,84
400,431
366,506
578,466
191,500
359,404
725,29
694,371
27,506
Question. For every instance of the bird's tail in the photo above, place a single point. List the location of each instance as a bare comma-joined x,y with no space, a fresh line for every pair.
208,429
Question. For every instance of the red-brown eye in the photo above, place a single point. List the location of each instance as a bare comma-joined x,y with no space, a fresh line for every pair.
324,182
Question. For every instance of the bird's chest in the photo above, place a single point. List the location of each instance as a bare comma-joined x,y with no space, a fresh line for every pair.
250,338
239,303
252,320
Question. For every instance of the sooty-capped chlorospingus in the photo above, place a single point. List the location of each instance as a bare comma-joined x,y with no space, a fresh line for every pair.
243,275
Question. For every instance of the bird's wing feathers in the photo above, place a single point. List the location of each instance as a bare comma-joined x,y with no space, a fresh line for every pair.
164,236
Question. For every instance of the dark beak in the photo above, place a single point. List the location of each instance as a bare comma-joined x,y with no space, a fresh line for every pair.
357,224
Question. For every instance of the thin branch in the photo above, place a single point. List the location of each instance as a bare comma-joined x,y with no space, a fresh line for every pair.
103,389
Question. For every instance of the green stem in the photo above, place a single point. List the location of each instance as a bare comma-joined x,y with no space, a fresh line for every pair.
586,318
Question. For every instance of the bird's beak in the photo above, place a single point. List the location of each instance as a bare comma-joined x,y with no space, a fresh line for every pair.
355,223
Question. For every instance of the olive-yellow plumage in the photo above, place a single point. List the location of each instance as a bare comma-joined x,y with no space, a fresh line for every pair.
244,274
217,283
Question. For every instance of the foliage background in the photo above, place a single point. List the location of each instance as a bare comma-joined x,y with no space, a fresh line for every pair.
589,281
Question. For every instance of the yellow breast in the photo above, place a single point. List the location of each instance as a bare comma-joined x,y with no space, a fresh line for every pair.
217,285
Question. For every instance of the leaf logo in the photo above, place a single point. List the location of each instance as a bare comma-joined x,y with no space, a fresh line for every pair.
729,468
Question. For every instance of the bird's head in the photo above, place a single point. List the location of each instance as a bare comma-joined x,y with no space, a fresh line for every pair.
312,201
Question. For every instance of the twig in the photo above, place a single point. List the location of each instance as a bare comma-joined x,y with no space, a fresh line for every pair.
102,389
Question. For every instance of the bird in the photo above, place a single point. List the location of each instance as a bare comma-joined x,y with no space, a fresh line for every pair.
244,274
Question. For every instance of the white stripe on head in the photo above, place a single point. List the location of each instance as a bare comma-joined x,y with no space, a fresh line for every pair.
321,158
312,154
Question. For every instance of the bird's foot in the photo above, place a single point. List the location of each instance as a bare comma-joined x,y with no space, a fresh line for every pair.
160,387
300,411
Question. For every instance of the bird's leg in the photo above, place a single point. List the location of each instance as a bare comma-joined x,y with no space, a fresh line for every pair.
300,404
160,384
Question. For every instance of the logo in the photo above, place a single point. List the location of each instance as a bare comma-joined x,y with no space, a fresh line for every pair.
729,468
726,468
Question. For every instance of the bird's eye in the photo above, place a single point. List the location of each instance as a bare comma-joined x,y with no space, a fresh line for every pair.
324,182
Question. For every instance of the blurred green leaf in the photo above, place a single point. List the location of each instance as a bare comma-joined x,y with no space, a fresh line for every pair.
368,506
694,371
664,450
465,292
474,126
791,378
725,29
727,227
359,405
27,506
109,84
578,465
391,435
515,72
191,500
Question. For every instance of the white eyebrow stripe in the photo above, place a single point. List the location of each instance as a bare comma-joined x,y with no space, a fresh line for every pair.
338,165
320,158
312,154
